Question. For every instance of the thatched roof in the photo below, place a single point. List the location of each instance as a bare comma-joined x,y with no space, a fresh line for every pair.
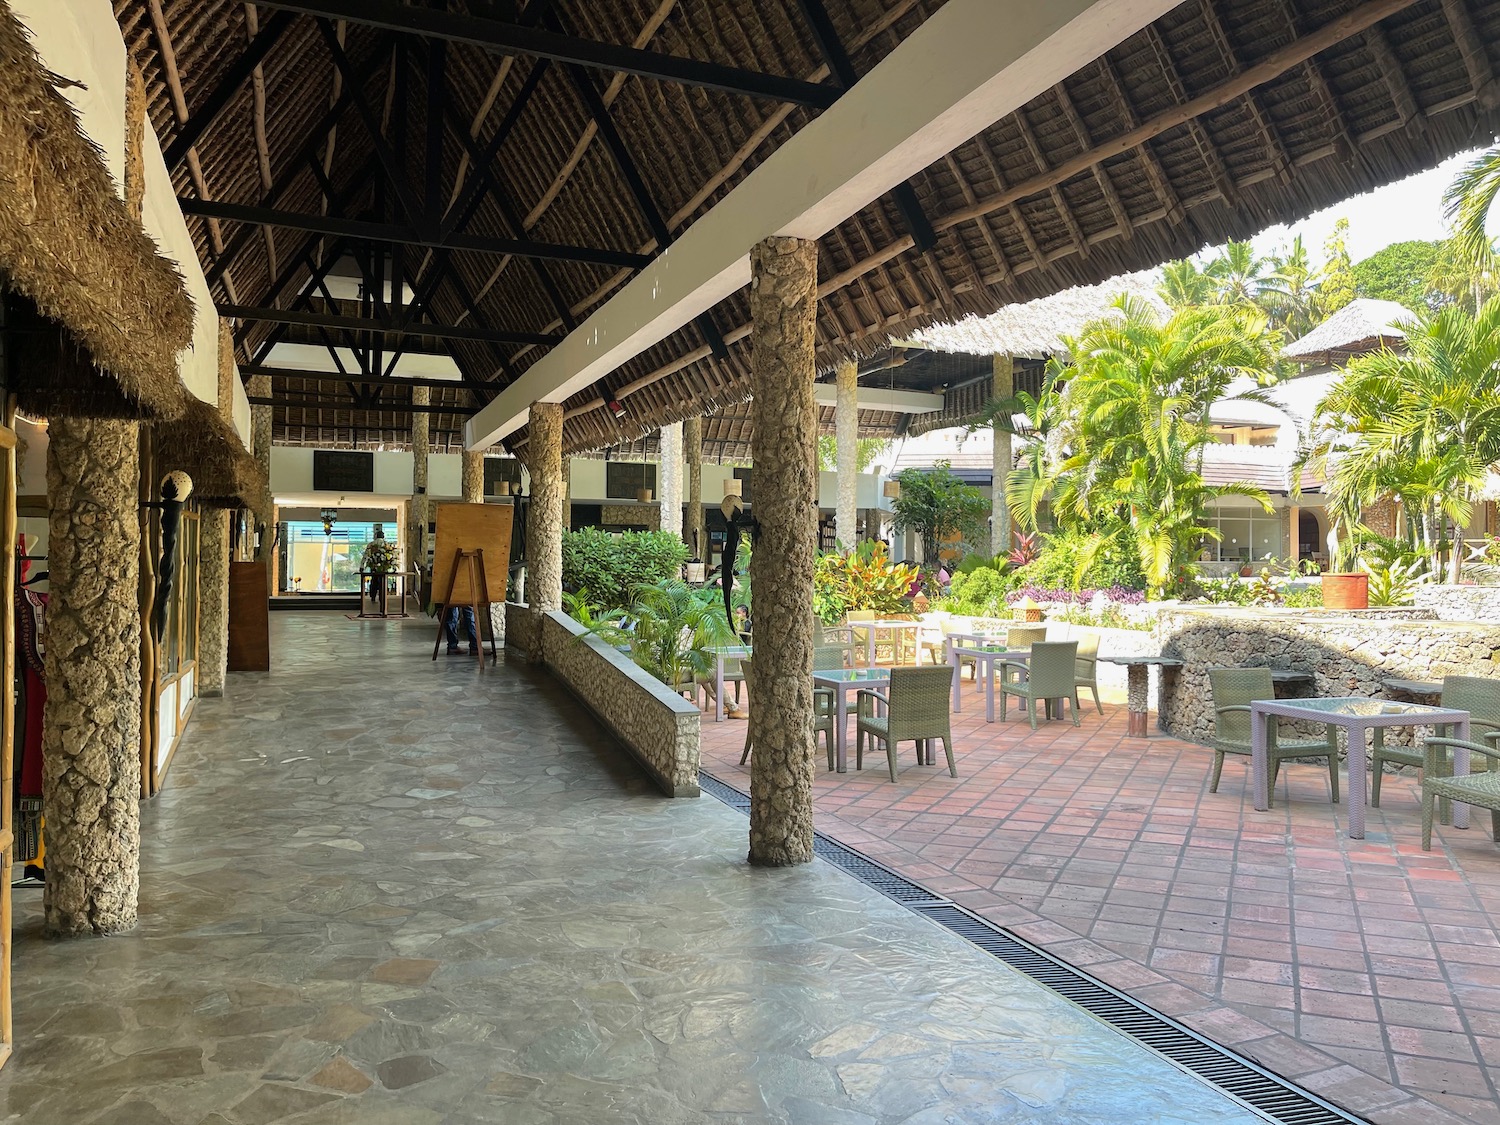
1364,324
1035,204
1036,329
69,245
203,444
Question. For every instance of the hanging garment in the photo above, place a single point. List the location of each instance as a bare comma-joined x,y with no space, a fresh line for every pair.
31,616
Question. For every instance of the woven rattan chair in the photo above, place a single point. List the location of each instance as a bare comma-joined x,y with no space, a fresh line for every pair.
1480,788
1050,674
959,626
1024,636
830,656
1233,690
859,637
830,635
914,709
1086,669
1478,695
931,637
823,716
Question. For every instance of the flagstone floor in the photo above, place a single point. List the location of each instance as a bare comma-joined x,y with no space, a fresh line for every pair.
1368,971
393,892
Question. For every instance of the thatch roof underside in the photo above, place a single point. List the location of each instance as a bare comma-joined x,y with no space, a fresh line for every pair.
1363,325
1370,106
204,445
71,249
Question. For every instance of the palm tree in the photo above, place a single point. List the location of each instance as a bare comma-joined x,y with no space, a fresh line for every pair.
1422,427
1240,275
1183,284
669,629
1288,295
1129,427
1467,204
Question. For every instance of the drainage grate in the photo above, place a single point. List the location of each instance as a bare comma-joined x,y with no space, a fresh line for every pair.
1272,1096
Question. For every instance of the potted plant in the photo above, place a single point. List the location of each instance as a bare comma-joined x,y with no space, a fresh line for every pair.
1344,588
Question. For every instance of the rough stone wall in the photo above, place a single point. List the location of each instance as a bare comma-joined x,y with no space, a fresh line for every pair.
1001,462
659,727
521,628
631,515
213,601
259,386
473,476
846,439
544,521
1461,603
783,448
670,478
417,511
1347,655
696,528
92,722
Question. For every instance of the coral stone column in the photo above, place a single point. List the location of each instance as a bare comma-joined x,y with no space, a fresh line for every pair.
669,478
783,448
213,554
692,454
91,726
473,476
544,517
416,512
1002,461
259,386
846,436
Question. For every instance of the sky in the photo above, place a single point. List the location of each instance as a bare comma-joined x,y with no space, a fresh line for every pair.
1405,210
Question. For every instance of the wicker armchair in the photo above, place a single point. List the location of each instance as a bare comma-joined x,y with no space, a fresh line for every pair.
1478,695
1481,789
959,626
1024,636
823,717
932,637
1050,674
1086,669
1232,691
860,638
841,635
915,709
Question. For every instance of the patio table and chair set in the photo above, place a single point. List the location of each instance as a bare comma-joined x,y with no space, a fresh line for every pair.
902,681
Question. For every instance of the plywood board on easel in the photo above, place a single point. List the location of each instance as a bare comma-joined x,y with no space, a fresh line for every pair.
472,527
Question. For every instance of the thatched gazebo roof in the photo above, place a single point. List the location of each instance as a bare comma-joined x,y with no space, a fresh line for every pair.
204,445
1217,119
1365,324
1037,329
89,293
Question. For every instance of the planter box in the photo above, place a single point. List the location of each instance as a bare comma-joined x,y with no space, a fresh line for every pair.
1346,591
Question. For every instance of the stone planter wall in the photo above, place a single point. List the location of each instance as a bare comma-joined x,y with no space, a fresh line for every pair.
657,726
520,628
1348,654
1461,603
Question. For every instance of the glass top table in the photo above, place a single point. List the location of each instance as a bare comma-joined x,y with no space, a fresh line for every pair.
895,627
1357,715
985,654
844,682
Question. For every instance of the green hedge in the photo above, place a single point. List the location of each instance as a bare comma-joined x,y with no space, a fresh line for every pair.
608,567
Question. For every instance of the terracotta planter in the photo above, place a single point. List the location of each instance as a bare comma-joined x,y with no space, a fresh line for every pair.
1346,591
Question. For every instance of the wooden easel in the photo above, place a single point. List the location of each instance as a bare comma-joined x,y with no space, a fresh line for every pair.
479,599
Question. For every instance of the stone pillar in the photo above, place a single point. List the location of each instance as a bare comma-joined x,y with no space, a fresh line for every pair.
91,726
416,512
783,448
669,477
1003,459
846,436
692,451
213,601
544,516
259,386
473,476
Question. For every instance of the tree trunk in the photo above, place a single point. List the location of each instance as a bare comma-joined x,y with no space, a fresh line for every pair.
783,445
473,476
92,721
692,451
544,518
1002,461
416,511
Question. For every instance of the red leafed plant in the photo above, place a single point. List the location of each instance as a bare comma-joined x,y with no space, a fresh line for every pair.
1027,549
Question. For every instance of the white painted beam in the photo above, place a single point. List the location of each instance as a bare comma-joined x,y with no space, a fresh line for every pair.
882,398
315,357
969,64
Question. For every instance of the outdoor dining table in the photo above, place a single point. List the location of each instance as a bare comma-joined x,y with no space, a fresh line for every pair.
1138,688
843,681
984,657
1357,715
893,626
724,653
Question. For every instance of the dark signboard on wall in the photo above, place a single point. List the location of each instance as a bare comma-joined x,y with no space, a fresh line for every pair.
340,470
497,469
624,479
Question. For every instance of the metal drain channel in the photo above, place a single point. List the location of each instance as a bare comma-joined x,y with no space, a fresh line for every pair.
1270,1095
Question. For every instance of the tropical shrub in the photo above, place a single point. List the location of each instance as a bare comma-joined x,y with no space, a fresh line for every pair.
1395,583
938,507
1105,560
861,579
1107,616
669,628
611,567
980,593
1305,597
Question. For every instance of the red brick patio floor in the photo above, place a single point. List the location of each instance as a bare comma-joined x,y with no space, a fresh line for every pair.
1366,970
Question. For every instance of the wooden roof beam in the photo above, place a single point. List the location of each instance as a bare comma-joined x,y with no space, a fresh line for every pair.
518,39
1280,162
1101,175
1471,46
1213,160
1394,75
1023,126
384,326
1161,183
285,400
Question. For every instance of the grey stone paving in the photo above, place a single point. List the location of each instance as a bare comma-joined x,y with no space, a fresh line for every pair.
384,891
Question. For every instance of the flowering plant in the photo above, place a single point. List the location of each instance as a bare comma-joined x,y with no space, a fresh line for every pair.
379,556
